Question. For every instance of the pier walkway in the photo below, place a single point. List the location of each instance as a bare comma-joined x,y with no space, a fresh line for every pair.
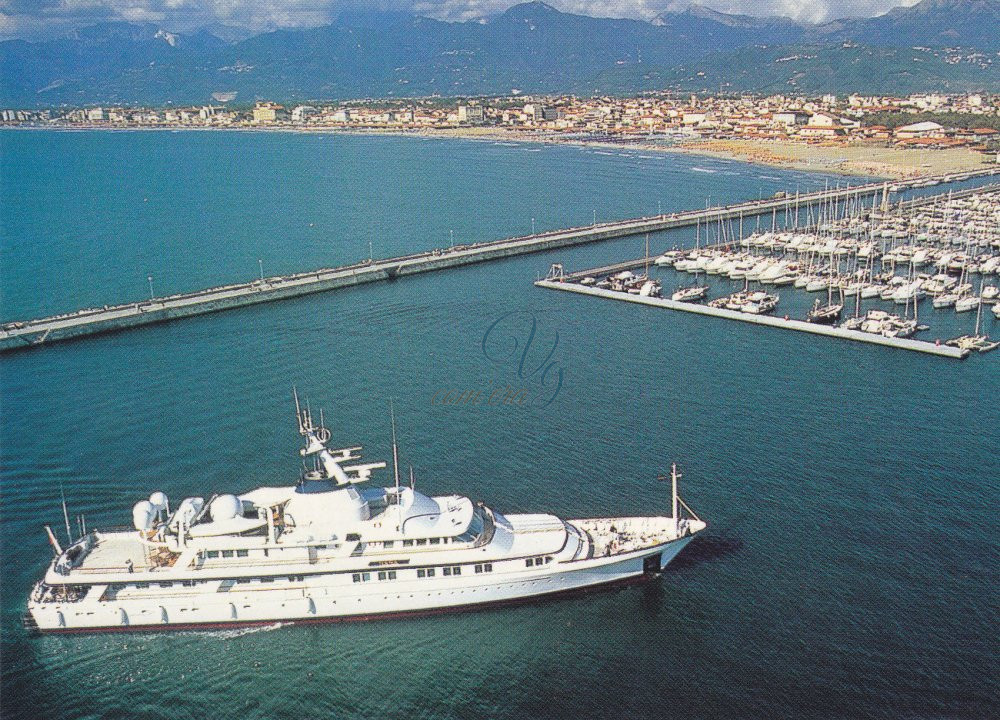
32,333
923,346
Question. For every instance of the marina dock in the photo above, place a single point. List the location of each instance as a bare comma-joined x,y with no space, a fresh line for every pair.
903,206
32,333
923,346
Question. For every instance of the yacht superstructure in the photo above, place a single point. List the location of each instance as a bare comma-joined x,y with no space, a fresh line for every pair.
330,548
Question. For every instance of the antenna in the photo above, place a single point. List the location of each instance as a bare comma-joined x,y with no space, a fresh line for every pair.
298,410
395,452
674,476
69,535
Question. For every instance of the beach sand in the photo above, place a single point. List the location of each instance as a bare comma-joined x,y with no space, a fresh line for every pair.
857,158
867,158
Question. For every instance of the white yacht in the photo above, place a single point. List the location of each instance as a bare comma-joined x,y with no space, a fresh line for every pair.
330,549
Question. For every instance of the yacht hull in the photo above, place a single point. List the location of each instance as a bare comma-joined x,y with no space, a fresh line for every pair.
317,603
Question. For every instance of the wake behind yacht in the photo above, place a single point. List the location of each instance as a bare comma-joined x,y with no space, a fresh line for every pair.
329,549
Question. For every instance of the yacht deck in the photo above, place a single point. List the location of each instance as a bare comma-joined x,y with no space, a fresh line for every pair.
112,552
617,536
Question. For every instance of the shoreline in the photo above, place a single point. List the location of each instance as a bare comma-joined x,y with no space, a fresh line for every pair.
848,160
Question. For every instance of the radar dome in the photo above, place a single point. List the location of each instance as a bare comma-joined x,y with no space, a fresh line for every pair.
159,500
226,507
142,515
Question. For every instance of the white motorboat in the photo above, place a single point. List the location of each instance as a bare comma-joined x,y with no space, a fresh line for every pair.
967,303
693,293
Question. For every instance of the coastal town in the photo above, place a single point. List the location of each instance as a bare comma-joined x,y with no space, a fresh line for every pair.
773,117
854,134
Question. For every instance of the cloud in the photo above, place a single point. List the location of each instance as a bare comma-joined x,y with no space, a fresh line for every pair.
45,18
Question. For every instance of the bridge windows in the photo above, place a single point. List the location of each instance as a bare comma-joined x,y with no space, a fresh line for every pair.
361,577
387,575
429,572
484,568
242,553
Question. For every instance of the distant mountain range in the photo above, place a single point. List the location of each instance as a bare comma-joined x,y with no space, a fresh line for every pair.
944,45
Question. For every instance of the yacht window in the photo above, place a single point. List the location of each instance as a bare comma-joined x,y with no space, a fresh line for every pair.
529,562
447,571
166,584
267,579
407,543
475,528
323,547
456,571
141,586
479,568
388,543
227,553
186,583
422,542
392,574
421,573
548,559
430,572
213,553
353,537
488,567
356,577
242,581
366,576
242,553
435,541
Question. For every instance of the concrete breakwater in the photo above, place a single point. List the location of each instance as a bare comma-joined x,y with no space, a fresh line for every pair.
32,333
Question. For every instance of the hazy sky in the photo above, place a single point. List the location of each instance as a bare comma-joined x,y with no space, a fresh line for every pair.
41,18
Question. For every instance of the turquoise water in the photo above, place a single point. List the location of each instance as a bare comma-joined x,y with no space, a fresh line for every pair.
851,565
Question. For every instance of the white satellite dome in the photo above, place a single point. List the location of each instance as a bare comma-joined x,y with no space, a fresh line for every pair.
226,507
159,500
142,515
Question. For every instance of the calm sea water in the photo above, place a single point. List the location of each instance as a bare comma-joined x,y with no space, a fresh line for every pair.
852,562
